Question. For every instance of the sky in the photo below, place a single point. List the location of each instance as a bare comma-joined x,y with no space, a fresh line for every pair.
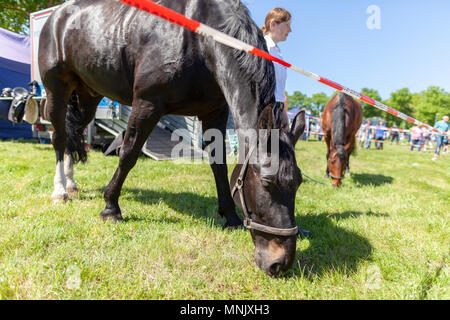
410,49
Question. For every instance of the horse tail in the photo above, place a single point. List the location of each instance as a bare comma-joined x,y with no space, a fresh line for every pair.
74,130
338,120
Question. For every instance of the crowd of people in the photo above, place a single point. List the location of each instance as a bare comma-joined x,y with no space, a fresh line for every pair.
418,137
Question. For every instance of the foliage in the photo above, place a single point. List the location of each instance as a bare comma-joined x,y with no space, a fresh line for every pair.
434,103
427,106
318,102
402,101
15,15
368,110
299,100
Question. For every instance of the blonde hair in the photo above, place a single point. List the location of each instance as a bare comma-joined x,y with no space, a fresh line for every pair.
277,15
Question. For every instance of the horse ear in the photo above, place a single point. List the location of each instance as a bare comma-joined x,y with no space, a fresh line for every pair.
298,126
265,120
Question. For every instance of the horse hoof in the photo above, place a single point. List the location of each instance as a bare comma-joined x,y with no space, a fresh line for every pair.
111,215
60,198
72,191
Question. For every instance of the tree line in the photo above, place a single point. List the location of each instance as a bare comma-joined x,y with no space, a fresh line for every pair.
426,106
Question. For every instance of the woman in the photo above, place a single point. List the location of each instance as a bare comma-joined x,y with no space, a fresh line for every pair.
276,29
416,138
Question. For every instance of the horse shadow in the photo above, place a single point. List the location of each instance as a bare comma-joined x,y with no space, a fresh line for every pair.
331,247
197,206
365,179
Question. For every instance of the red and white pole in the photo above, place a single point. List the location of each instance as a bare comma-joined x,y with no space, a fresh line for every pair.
200,28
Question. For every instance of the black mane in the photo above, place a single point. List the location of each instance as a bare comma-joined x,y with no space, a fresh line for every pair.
338,121
240,25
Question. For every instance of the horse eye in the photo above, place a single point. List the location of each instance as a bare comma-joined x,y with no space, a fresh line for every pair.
267,182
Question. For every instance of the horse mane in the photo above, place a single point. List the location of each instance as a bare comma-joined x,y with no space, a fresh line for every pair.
256,70
338,120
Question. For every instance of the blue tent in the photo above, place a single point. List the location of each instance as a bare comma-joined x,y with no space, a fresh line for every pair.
15,59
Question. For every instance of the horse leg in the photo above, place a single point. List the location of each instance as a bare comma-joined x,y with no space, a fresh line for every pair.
58,94
143,118
219,167
328,141
81,113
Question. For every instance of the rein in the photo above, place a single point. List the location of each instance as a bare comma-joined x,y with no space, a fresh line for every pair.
248,223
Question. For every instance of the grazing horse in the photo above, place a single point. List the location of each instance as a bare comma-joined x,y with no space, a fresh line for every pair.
95,48
341,119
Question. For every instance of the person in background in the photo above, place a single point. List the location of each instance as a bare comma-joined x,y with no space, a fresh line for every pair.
368,134
416,138
379,135
319,130
395,134
426,134
442,126
445,150
276,29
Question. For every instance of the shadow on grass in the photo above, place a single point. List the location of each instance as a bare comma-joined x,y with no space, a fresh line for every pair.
366,179
331,248
197,206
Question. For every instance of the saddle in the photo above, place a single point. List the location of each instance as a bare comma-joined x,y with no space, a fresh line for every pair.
23,106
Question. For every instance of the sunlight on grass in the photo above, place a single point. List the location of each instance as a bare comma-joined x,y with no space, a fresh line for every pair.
383,235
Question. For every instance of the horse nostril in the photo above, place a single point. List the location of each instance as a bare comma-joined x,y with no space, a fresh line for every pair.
275,269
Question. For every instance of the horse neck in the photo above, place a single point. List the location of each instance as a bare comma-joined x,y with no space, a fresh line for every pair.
338,123
247,81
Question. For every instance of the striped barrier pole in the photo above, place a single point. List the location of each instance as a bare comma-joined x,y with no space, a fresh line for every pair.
202,29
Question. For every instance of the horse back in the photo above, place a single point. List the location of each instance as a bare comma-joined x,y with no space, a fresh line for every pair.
115,50
342,116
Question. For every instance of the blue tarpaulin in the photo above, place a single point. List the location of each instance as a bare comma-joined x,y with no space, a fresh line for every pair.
15,59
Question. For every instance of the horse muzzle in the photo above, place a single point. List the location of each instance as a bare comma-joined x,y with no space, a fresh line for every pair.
275,258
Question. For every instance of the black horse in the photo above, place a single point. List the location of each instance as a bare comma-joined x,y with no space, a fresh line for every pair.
94,48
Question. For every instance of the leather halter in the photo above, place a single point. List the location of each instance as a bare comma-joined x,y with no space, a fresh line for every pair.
248,223
336,178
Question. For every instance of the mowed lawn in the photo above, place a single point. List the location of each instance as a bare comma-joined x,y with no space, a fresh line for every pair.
384,234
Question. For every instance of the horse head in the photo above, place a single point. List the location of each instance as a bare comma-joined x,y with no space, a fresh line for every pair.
267,192
337,163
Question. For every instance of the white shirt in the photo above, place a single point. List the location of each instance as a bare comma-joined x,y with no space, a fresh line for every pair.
280,71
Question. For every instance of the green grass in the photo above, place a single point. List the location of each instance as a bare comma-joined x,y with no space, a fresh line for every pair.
383,235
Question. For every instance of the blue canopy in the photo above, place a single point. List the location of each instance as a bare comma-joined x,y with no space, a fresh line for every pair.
15,59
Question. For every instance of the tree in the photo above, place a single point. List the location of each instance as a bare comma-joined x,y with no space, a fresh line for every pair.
15,15
299,100
368,110
318,102
434,103
402,100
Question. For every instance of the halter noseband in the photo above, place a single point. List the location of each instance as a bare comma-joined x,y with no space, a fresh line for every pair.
336,178
248,223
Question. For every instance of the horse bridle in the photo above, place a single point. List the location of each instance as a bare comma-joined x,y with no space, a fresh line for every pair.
248,223
336,178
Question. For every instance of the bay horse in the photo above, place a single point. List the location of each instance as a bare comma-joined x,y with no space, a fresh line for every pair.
341,120
92,49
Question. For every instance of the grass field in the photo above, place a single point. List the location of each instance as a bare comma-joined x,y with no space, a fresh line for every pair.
384,235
